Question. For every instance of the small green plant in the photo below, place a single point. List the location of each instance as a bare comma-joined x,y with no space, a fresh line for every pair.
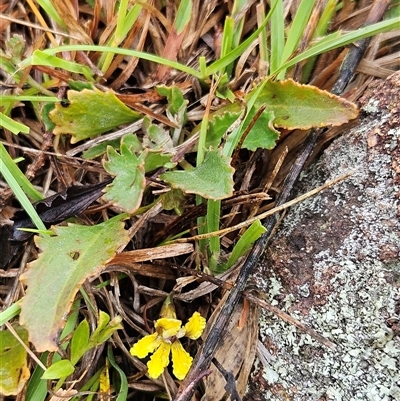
82,342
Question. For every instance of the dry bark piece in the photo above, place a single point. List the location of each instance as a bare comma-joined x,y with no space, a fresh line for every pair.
236,352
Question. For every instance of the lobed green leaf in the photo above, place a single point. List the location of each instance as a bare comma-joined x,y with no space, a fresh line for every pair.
90,113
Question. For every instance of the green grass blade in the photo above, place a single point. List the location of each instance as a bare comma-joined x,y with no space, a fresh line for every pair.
9,168
121,16
131,18
227,43
14,126
37,388
39,57
277,35
51,12
245,242
91,385
125,23
320,31
20,186
212,219
183,15
227,37
337,39
27,98
9,313
238,20
22,198
123,390
238,51
237,8
296,31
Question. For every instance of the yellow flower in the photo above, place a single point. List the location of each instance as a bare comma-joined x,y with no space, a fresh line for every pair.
165,341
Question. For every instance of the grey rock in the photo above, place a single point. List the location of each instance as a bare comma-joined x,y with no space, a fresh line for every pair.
335,265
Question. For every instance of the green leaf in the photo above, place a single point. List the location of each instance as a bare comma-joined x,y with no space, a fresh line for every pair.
59,369
100,149
213,179
97,150
244,244
90,113
288,105
105,329
82,341
174,200
155,137
298,106
123,388
14,371
126,190
263,134
80,85
220,122
67,260
156,159
14,126
104,319
46,109
79,341
132,142
176,112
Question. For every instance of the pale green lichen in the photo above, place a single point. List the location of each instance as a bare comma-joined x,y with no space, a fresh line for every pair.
372,106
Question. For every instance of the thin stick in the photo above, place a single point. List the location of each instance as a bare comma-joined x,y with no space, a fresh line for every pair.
30,352
36,26
287,318
265,214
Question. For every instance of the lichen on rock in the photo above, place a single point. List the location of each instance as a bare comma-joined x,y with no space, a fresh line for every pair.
335,265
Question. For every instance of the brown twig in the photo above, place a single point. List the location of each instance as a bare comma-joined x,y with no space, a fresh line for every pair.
287,318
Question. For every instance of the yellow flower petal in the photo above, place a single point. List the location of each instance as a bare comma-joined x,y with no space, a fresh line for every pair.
167,328
195,326
159,360
146,345
181,360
